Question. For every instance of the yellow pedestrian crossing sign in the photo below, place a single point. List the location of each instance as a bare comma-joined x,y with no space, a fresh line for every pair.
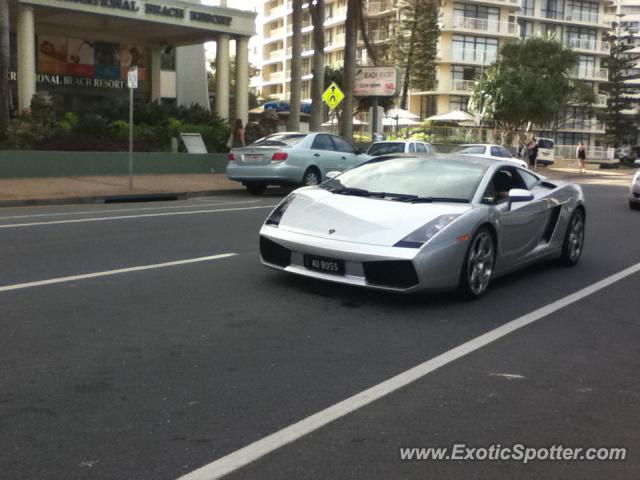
332,96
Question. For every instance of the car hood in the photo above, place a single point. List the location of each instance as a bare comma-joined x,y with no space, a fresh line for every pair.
317,212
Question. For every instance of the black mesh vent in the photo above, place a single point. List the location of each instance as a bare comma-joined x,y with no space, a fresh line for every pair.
271,252
393,273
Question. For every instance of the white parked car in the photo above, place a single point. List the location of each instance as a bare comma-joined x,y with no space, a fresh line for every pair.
634,192
400,146
493,152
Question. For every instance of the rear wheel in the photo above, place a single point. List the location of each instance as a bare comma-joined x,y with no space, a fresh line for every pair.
256,188
478,265
311,177
634,205
573,239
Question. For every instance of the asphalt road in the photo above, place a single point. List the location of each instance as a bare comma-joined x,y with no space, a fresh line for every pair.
152,373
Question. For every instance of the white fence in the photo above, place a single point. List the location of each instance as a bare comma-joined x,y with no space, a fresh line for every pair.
594,154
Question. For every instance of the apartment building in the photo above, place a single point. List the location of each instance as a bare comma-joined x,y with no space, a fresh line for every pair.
472,32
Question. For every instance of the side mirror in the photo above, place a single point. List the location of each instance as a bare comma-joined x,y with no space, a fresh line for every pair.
518,195
332,174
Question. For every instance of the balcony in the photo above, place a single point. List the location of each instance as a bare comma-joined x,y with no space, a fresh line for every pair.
276,54
580,17
473,56
597,74
592,46
336,41
275,77
378,7
462,85
376,36
476,25
601,101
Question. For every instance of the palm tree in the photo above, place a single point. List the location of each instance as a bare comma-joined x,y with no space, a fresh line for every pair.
316,10
4,68
354,13
293,123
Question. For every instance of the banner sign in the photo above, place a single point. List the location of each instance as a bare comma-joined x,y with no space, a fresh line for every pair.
376,82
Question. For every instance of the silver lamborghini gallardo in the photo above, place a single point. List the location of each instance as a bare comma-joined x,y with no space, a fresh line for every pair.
408,223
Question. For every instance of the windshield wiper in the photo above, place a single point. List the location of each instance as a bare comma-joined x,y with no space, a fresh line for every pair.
417,199
358,192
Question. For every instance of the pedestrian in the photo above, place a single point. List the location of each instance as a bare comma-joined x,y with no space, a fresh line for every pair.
581,155
237,135
532,151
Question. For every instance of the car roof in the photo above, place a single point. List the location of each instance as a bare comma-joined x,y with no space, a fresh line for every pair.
476,160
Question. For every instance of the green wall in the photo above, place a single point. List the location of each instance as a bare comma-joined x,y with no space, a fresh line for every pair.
30,164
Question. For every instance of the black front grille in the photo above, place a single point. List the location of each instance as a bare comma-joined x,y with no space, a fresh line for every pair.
272,252
391,273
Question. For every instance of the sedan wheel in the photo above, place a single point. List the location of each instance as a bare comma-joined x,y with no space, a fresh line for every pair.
574,239
311,177
478,265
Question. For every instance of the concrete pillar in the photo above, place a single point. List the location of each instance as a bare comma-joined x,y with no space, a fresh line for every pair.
156,62
242,79
26,52
222,76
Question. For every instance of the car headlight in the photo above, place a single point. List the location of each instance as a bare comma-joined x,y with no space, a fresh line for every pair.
426,232
276,215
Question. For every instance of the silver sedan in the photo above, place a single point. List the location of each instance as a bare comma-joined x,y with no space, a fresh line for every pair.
408,223
291,158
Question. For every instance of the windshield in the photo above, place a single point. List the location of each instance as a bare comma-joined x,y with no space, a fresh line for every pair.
384,148
279,140
544,143
420,177
470,149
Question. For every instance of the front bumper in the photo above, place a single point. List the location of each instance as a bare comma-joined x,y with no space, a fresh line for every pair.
393,269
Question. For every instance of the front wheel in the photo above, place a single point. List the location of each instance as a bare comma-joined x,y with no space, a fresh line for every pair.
573,239
478,265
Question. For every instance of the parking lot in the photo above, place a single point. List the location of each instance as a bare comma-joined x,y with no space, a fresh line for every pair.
145,341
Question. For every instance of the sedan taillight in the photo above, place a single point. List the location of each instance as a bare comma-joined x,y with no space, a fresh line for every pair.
231,157
279,157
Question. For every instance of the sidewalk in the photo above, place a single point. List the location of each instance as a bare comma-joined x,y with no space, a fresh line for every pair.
58,190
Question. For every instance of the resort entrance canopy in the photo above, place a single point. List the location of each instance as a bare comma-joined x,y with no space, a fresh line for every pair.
156,24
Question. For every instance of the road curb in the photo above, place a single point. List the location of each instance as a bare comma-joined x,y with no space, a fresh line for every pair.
137,197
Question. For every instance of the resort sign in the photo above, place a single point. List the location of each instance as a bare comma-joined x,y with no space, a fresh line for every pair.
376,82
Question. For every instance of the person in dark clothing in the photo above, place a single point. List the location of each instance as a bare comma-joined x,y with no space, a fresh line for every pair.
533,153
237,135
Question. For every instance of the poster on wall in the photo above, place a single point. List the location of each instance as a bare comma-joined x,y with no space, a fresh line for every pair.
107,60
52,55
80,58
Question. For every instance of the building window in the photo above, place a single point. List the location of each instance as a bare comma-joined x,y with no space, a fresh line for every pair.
458,102
529,7
461,72
582,11
583,38
474,49
526,28
553,9
428,106
586,66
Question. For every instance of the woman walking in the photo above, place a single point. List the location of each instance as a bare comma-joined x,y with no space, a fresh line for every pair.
581,154
237,135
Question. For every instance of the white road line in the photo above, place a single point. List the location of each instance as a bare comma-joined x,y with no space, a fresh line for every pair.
85,276
127,217
240,458
108,210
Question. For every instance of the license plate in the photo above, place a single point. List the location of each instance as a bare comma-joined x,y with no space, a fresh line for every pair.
324,264
252,158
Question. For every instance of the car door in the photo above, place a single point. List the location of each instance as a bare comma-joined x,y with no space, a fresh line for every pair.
323,154
347,155
521,225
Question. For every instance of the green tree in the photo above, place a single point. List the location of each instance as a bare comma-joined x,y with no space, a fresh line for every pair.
530,82
414,45
620,126
4,68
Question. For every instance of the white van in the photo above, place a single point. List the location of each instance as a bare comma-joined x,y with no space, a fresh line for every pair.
546,151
